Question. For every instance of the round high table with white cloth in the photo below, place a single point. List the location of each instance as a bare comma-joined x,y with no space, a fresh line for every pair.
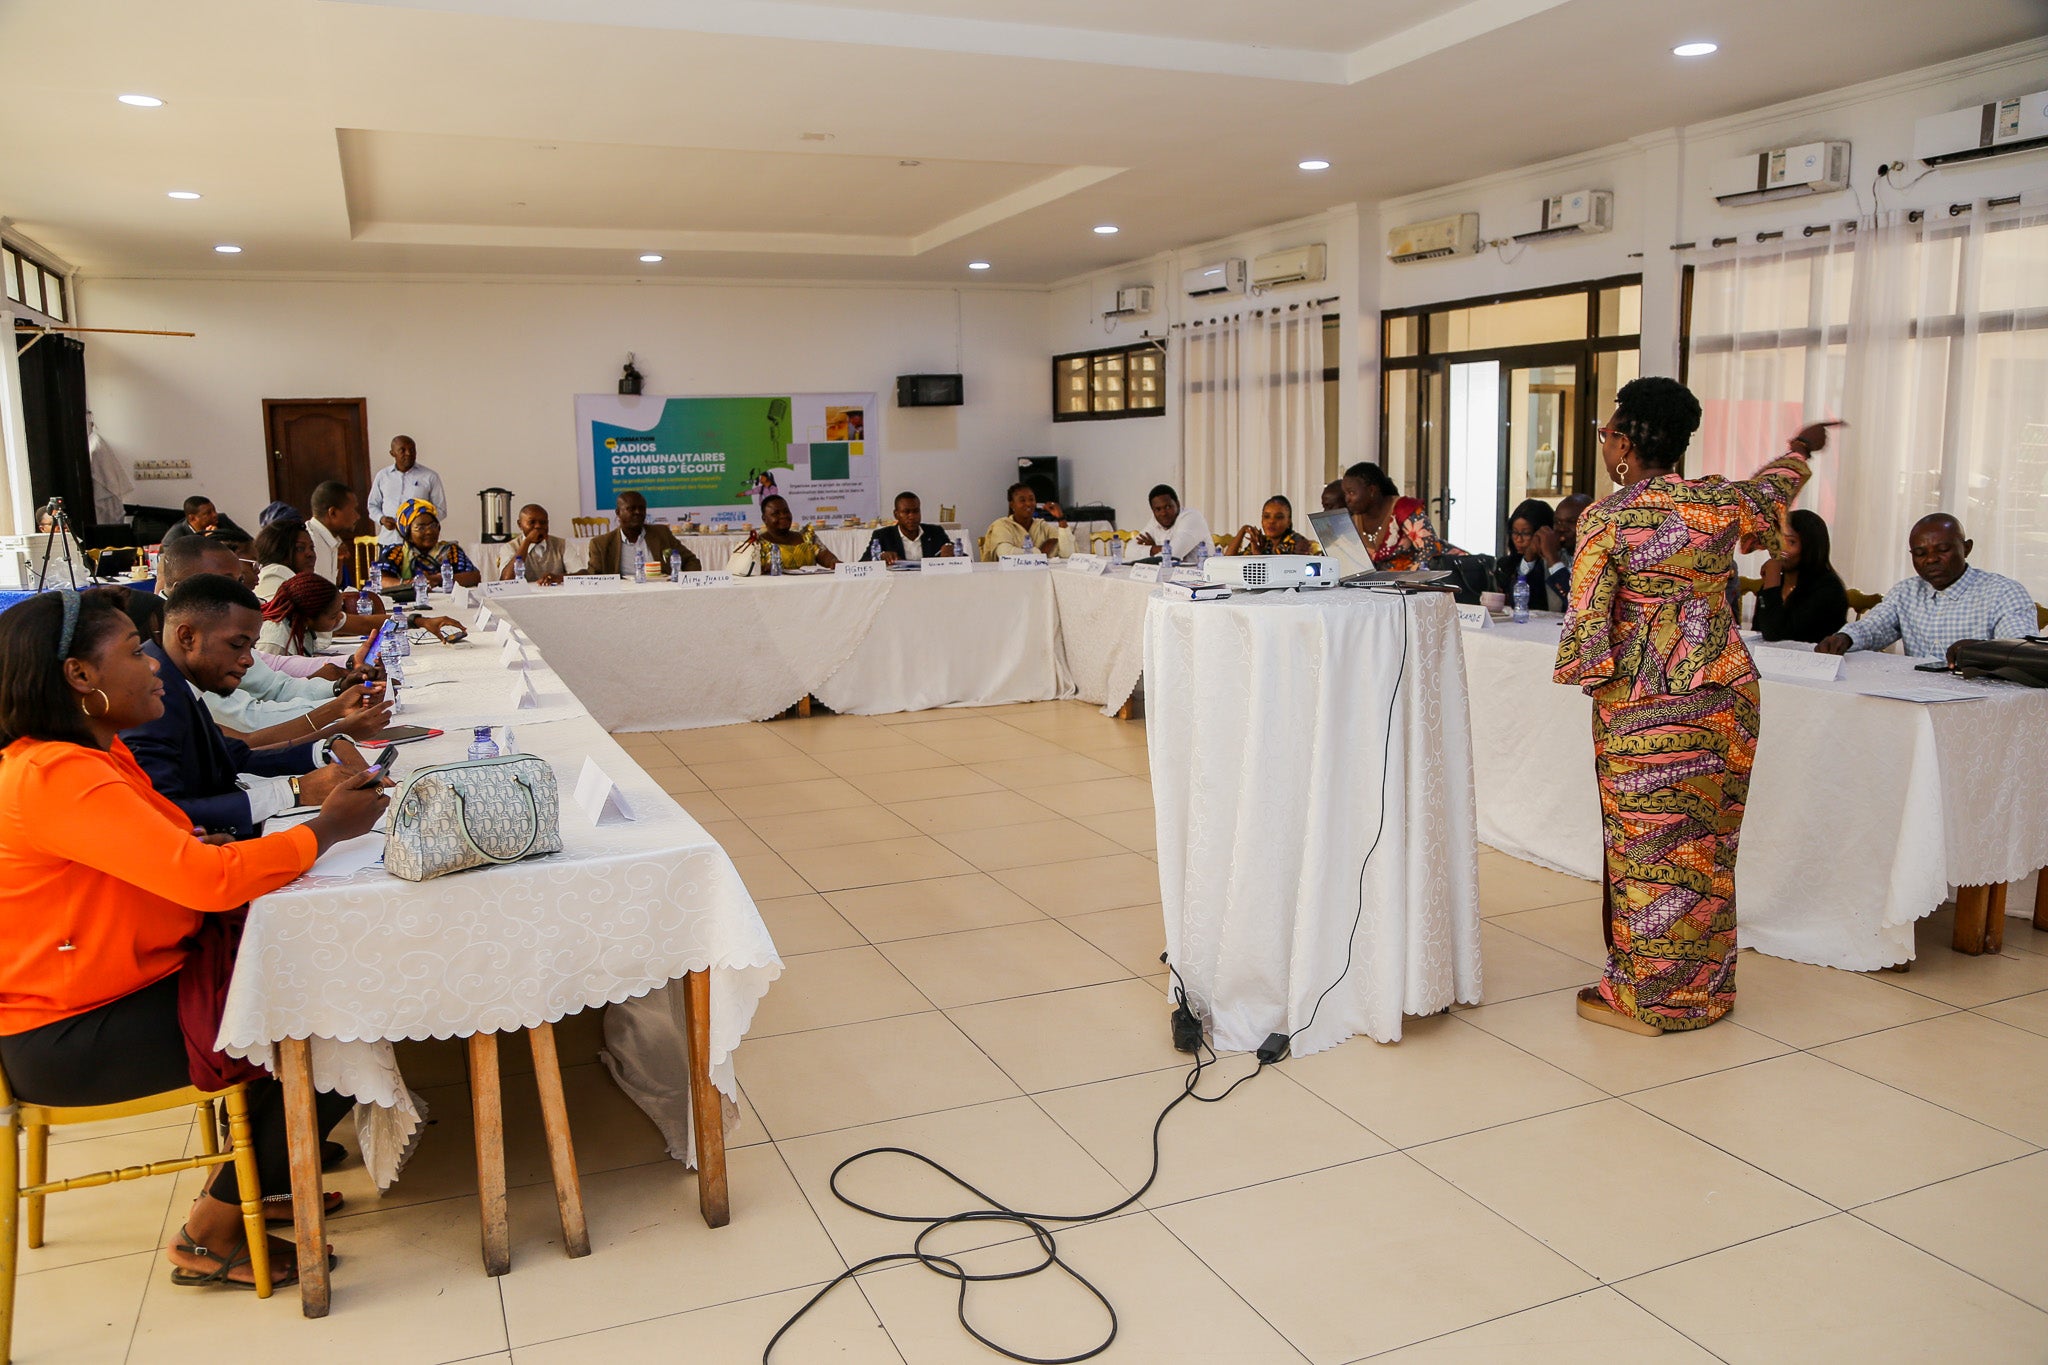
1863,810
1271,720
355,959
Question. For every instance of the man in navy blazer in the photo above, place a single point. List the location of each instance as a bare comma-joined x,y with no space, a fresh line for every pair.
210,627
910,538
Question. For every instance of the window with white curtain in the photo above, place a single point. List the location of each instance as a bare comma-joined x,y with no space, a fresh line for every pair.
1929,336
1253,405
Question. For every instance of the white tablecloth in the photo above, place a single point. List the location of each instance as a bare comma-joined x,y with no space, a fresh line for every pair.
1863,811
1268,723
656,656
359,960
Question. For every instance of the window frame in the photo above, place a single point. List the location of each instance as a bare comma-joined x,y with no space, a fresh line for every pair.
1092,413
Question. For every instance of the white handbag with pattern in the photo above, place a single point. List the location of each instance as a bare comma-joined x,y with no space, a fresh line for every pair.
455,816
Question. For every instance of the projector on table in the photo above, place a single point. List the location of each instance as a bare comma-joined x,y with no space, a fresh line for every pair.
1255,573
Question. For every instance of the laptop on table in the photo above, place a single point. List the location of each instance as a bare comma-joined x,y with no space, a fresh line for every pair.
1339,539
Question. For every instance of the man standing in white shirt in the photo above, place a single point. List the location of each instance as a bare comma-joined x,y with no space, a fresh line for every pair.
1172,526
405,479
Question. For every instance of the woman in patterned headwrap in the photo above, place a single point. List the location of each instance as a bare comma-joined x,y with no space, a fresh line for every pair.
1650,639
422,549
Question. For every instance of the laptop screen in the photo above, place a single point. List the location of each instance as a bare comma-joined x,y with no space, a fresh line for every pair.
1339,537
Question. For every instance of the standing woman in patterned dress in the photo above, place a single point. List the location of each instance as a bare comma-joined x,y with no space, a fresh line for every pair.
1650,639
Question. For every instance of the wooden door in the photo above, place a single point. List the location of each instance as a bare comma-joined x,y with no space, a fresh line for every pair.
312,440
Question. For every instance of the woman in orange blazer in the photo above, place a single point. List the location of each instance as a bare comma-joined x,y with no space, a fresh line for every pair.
102,885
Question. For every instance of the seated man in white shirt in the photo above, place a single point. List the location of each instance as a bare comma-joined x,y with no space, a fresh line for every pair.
1945,604
1170,526
910,538
1023,530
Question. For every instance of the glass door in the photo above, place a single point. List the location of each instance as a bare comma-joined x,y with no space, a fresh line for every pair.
1515,426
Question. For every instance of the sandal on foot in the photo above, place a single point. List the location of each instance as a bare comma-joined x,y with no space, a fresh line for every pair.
277,1209
1594,1007
282,1274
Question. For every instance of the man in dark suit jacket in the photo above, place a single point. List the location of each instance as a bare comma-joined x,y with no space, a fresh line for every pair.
210,627
608,551
910,538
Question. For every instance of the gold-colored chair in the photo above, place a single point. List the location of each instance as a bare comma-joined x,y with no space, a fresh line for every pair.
1863,603
948,513
590,526
38,1119
2040,617
1100,538
368,551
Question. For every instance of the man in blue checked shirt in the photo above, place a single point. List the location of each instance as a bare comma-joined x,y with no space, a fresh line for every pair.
1947,603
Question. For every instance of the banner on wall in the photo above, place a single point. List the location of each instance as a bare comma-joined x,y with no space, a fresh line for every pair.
713,459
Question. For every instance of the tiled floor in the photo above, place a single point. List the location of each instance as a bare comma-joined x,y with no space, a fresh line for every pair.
1849,1169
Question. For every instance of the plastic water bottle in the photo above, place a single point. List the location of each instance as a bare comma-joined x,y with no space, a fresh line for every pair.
391,690
394,659
518,568
959,546
1166,559
1116,551
874,550
481,745
419,586
675,566
366,605
1521,601
448,580
774,561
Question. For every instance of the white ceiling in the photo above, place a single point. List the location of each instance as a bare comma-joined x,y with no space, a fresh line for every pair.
564,137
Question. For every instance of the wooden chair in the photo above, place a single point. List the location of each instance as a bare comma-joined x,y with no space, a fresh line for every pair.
39,1119
585,527
948,513
1862,603
367,551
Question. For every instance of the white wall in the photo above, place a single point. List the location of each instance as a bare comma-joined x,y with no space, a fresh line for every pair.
1117,462
1661,195
482,374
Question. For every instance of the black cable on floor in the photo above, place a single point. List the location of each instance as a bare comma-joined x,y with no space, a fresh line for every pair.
995,1211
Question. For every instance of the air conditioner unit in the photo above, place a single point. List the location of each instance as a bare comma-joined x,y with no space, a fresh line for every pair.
2015,124
1457,235
1782,173
1134,302
1563,215
1296,265
1224,277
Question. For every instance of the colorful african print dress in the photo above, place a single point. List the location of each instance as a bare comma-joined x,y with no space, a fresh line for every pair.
1407,540
1650,639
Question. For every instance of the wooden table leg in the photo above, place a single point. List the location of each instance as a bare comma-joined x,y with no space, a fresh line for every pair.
707,1115
554,1118
488,1109
1971,904
302,1139
2041,899
1994,920
803,706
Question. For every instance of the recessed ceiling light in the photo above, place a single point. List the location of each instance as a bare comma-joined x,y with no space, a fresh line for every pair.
184,194
977,265
141,101
1105,229
1695,49
1313,165
652,258
226,250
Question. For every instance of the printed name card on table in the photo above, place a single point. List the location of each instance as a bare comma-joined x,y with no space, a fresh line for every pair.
514,655
706,578
1031,560
1088,564
1474,617
859,568
1191,577
1144,573
949,564
598,796
504,587
524,698
1796,665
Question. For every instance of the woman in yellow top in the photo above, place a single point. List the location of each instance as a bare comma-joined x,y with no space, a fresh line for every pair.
797,549
1023,530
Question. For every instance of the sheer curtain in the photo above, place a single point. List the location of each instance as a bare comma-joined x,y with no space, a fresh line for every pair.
1930,338
1252,405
